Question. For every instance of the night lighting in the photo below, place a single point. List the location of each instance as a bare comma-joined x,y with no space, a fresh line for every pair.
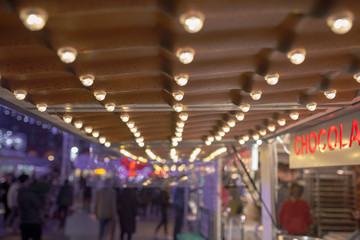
226,128
272,79
67,118
78,124
282,122
242,141
100,95
256,94
180,124
88,129
271,127
67,54
178,95
20,94
87,80
95,134
340,23
130,124
357,77
41,107
102,140
231,123
294,115
245,107
33,19
330,94
110,107
311,106
178,107
107,144
181,79
240,116
192,21
183,116
125,117
185,55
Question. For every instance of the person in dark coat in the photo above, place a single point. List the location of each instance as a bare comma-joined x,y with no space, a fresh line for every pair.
4,191
179,210
64,201
29,204
164,204
127,209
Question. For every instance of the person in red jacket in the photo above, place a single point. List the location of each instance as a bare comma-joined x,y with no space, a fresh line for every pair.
294,215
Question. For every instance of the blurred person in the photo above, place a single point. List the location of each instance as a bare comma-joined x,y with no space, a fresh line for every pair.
164,203
127,209
3,197
105,209
178,204
30,205
64,201
294,215
12,202
87,195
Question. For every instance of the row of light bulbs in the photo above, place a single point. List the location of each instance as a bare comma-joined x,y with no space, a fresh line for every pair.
133,129
180,124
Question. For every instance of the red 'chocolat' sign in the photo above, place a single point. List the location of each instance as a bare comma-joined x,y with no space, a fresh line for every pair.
335,142
322,140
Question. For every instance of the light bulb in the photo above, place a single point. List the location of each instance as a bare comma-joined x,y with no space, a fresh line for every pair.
357,77
140,139
78,124
330,94
183,116
107,144
245,107
125,117
87,80
226,128
130,124
102,140
41,107
95,134
180,124
246,138
185,55
141,144
221,133
231,123
341,23
311,106
88,129
208,143
67,54
133,130
240,116
218,138
178,134
256,94
179,129
192,21
259,142
262,132
174,144
210,138
282,122
100,95
294,115
181,79
33,19
178,107
296,56
272,78
178,95
256,136
271,128
110,107
137,134
67,118
20,94
242,141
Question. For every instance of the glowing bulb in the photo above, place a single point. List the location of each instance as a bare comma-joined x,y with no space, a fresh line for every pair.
226,128
357,77
181,79
100,95
130,124
125,117
240,116
256,136
218,138
178,95
208,143
221,133
141,144
297,55
137,134
78,124
133,130
67,118
67,54
242,141
178,107
231,123
34,19
178,134
185,55
262,132
282,122
341,23
20,94
272,79
174,144
183,116
140,139
110,107
88,129
294,115
95,134
192,21
256,94
180,124
87,80
210,138
102,140
246,138
311,106
245,107
41,107
179,129
107,144
330,94
271,128
259,142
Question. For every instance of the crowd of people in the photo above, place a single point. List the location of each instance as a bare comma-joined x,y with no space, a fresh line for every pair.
30,204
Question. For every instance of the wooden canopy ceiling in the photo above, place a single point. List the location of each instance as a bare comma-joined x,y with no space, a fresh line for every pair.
130,47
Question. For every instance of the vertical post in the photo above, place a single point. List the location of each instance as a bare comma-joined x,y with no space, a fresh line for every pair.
268,160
